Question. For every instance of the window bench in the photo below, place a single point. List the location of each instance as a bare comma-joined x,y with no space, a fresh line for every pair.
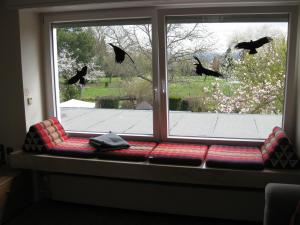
164,177
195,175
186,190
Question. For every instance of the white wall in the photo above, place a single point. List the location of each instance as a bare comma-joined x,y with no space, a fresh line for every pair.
15,115
22,115
12,117
31,55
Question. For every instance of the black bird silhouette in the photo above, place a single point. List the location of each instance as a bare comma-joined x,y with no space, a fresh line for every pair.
79,76
120,54
253,45
201,70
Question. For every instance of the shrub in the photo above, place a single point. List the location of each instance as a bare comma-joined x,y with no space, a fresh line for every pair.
184,105
140,89
68,92
107,102
127,104
200,104
174,103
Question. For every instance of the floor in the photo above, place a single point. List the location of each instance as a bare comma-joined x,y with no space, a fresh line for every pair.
58,213
182,123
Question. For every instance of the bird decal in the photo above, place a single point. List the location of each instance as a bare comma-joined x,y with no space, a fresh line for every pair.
120,54
201,70
253,45
79,76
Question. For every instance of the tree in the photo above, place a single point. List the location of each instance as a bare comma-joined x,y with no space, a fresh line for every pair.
215,65
226,66
100,48
137,43
76,48
67,67
78,42
185,40
259,86
182,42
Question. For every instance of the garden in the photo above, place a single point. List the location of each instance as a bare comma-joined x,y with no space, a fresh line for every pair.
252,84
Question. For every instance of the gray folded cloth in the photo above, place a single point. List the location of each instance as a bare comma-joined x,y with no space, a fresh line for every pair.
109,141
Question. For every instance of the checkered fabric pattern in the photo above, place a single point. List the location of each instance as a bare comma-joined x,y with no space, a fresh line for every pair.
177,153
74,147
235,157
278,152
138,151
44,135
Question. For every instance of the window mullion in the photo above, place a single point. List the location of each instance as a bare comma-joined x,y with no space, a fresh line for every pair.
163,77
155,78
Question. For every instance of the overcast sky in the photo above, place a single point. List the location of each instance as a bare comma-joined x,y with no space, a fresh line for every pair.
224,32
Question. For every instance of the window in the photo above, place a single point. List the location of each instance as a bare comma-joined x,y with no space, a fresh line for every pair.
218,89
160,91
112,96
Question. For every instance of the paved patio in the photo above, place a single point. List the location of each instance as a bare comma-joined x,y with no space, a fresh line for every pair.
181,123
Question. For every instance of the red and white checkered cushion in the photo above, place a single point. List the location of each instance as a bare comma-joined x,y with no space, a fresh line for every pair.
44,135
75,147
278,151
177,153
138,151
238,157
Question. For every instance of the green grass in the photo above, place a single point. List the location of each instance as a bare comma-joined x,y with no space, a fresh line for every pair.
98,88
182,87
193,86
93,92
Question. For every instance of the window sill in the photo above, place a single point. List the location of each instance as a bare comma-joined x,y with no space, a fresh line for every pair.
153,172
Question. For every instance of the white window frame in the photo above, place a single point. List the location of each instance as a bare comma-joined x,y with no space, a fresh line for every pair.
289,111
94,16
159,69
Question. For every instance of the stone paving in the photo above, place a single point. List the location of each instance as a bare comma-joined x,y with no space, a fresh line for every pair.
181,123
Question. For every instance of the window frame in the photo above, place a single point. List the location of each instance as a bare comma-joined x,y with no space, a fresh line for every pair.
290,79
52,86
159,68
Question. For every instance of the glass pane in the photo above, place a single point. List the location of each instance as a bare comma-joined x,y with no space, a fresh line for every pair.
105,77
226,78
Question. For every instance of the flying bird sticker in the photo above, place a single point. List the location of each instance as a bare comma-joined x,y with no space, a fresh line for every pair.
120,54
253,45
79,76
201,70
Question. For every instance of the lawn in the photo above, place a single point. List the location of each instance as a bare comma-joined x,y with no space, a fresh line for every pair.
193,93
99,88
182,87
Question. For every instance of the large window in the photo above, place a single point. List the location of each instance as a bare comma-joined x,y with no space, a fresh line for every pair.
226,75
104,74
174,73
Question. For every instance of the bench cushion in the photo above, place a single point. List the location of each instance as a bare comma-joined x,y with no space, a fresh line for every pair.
74,147
236,157
177,153
278,151
44,135
138,151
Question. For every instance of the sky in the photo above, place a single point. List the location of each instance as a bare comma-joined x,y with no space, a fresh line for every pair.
224,32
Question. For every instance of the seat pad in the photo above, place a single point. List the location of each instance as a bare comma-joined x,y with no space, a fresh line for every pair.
238,157
178,153
74,147
138,151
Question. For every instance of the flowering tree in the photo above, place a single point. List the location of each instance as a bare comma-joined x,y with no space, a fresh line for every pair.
257,82
67,67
